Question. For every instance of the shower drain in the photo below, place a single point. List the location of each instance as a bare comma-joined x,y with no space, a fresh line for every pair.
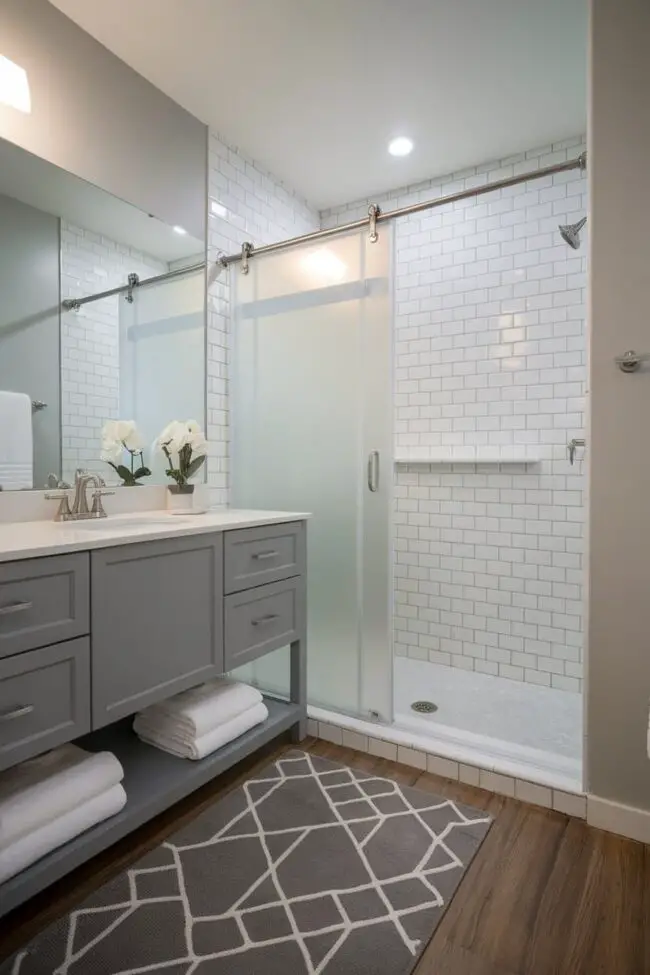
424,707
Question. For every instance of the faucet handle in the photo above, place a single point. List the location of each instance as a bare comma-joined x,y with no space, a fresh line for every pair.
63,512
97,510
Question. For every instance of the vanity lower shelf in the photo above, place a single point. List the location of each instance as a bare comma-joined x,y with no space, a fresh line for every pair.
153,780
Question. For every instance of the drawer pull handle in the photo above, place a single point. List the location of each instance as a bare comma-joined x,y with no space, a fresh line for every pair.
263,620
14,608
20,712
260,556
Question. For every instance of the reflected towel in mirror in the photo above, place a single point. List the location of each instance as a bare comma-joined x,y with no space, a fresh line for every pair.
16,442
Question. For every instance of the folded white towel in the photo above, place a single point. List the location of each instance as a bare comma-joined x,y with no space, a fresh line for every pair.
168,741
30,848
202,709
16,446
42,789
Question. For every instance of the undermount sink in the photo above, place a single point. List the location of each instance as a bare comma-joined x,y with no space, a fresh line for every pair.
115,523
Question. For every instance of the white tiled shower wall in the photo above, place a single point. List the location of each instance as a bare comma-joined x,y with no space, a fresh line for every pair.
90,356
490,350
245,203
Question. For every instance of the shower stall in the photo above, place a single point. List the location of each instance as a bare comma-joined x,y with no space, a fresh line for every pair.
414,381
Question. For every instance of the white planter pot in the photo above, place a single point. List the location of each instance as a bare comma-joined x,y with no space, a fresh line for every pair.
180,501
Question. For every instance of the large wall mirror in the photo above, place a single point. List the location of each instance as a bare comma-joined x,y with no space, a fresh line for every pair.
71,361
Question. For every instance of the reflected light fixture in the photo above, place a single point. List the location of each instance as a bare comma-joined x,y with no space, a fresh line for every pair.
180,230
324,265
401,146
219,209
14,86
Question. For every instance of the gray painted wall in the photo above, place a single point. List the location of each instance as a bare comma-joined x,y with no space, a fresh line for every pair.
618,678
29,321
97,118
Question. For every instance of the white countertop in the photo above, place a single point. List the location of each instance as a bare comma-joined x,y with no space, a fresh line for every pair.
28,539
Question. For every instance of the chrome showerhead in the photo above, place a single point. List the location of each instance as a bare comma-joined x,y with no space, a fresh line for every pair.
570,233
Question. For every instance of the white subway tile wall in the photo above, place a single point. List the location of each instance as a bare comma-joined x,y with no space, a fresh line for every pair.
90,357
245,203
490,351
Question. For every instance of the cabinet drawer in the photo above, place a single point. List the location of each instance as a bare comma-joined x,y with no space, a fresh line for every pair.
255,556
156,622
263,619
43,601
44,700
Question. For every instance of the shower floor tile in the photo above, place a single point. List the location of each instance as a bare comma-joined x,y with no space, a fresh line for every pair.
494,708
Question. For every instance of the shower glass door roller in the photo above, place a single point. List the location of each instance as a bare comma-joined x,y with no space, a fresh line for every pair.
312,432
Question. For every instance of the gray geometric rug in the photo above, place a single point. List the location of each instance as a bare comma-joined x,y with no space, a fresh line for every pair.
311,868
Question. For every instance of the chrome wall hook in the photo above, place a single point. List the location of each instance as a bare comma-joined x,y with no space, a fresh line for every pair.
631,360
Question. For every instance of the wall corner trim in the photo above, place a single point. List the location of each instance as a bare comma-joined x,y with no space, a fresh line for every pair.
617,818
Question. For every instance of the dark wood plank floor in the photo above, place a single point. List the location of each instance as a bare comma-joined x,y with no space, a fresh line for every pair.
546,894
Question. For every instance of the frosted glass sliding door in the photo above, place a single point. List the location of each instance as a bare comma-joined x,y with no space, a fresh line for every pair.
162,358
312,432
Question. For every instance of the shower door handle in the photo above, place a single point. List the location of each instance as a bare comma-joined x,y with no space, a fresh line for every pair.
373,470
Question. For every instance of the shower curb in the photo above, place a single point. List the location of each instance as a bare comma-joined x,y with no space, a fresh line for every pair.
383,741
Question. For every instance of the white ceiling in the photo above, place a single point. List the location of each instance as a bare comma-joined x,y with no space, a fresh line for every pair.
315,89
38,183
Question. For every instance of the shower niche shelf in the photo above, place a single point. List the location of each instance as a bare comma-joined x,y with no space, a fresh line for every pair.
464,456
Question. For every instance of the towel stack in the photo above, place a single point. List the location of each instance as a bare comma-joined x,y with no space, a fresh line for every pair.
49,800
197,722
16,446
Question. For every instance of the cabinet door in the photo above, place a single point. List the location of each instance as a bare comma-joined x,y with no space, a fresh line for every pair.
156,612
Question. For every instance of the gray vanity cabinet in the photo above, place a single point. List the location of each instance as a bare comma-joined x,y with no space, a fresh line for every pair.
156,622
90,638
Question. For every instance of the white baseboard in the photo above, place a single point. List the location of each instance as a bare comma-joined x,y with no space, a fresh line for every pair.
616,818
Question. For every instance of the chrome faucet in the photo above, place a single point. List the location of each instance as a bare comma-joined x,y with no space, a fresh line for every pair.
80,510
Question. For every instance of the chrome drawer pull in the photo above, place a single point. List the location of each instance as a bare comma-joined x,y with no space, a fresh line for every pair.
263,620
260,556
20,712
14,608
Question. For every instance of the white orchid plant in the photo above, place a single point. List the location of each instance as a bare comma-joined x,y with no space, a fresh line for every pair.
185,447
118,437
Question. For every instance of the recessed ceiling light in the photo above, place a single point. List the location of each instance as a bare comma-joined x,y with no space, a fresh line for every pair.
401,146
180,230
